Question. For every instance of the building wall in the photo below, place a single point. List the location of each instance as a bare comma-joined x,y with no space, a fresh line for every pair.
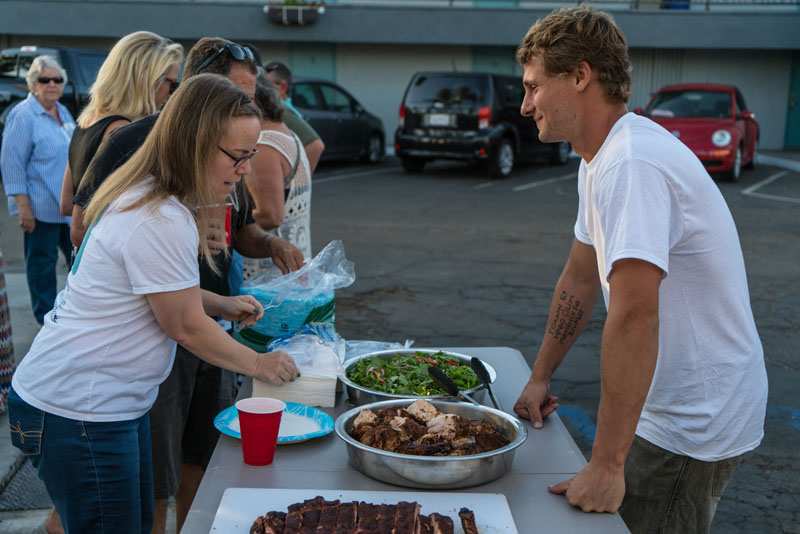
495,59
377,75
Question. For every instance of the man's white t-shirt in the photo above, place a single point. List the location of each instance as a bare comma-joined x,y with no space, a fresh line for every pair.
646,196
101,355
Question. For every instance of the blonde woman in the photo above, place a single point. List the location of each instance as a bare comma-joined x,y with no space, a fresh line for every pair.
32,161
80,399
135,80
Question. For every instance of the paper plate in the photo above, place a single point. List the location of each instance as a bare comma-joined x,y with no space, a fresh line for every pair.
299,423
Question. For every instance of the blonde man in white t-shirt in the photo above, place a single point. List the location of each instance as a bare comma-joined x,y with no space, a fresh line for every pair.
683,382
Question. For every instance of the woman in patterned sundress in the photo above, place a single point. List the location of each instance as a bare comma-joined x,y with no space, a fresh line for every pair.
7,361
280,184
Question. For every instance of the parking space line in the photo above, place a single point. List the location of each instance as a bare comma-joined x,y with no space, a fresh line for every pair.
764,182
775,197
751,191
531,185
350,175
484,185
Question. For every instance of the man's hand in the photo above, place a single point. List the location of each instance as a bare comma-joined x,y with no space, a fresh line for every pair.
535,402
276,368
285,255
244,308
597,488
26,219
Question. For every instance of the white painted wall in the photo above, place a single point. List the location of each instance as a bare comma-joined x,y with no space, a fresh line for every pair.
378,75
273,52
762,76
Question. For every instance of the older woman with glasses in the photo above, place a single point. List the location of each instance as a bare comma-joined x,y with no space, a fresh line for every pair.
34,153
136,79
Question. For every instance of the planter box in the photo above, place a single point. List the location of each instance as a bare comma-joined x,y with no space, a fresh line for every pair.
293,15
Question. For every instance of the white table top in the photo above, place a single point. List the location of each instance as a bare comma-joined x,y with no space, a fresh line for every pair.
549,455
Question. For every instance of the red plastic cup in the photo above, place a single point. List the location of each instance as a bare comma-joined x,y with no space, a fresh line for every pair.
259,423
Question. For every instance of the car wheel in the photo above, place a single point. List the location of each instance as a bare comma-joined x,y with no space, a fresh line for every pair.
373,152
752,163
736,170
502,161
413,164
560,154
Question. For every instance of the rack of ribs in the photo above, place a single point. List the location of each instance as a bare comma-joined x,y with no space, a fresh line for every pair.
468,521
318,516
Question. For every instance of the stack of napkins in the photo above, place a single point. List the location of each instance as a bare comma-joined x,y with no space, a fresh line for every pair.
319,366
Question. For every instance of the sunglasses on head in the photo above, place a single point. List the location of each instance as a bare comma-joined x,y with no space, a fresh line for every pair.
237,52
44,80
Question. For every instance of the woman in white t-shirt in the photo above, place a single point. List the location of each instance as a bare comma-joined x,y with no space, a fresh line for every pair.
79,400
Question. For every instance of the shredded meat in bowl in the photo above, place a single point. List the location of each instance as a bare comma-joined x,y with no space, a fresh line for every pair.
420,429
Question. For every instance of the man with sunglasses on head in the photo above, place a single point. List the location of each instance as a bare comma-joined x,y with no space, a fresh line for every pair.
281,77
182,418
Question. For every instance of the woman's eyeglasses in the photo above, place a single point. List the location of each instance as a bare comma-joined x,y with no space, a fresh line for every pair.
44,80
237,52
238,161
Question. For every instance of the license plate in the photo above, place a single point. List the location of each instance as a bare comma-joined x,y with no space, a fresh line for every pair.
439,119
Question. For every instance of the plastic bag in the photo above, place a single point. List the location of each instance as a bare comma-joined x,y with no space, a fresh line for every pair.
358,347
317,350
303,296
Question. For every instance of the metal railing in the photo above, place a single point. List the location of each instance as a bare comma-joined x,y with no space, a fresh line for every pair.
612,5
666,5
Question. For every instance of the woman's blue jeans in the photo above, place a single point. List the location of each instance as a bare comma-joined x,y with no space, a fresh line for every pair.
41,256
99,475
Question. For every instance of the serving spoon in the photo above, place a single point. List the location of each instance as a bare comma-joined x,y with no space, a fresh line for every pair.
448,385
484,376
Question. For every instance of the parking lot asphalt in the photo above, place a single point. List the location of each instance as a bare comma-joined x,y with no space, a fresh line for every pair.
448,258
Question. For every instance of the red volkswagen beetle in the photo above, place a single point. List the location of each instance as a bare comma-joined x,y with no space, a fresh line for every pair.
712,120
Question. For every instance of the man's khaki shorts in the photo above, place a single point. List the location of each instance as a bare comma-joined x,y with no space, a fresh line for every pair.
667,493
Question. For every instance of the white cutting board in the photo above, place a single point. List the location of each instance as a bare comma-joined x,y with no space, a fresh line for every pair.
240,506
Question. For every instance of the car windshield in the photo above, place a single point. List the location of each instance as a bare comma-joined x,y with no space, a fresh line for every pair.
431,89
714,104
8,66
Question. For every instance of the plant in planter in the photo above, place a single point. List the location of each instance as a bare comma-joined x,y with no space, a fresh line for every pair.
294,12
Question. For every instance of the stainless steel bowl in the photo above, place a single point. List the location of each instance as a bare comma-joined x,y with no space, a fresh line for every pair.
359,395
434,472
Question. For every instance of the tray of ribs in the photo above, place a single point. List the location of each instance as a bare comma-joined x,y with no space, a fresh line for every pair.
290,511
430,444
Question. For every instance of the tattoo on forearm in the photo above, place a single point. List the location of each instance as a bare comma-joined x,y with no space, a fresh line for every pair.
565,319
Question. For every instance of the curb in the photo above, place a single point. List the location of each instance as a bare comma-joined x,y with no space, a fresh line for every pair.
783,163
15,458
12,471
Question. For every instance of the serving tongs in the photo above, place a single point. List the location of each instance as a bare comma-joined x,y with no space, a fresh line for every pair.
444,382
483,375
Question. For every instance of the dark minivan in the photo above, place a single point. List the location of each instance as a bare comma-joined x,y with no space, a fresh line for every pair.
469,117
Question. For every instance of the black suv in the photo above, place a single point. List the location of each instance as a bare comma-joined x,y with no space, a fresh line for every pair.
470,117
